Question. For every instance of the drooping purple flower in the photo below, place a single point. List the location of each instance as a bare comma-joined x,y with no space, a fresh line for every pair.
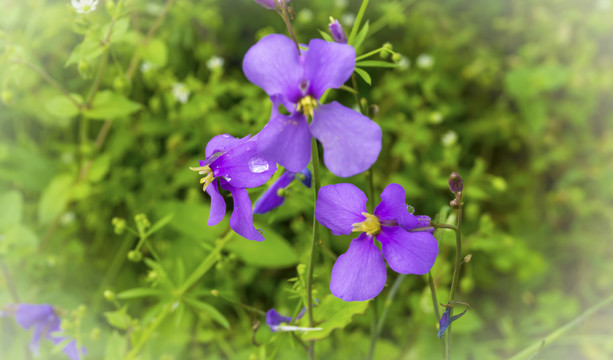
275,322
46,324
351,141
234,164
336,29
360,273
271,198
446,320
271,4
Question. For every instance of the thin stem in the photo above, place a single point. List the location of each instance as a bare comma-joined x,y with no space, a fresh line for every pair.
444,226
309,280
288,24
205,265
143,339
50,80
563,330
434,299
456,277
388,303
358,20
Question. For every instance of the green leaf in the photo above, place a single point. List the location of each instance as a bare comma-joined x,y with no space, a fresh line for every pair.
119,318
55,197
156,52
325,36
364,75
115,347
333,313
17,236
100,167
376,63
273,252
11,207
210,310
110,105
88,50
138,293
60,106
119,29
359,39
190,219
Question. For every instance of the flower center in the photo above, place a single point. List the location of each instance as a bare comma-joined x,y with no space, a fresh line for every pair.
206,180
371,225
306,105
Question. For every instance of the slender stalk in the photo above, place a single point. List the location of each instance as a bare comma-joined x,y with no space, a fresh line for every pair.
143,339
205,265
42,73
309,280
358,20
434,299
388,303
285,16
531,350
455,279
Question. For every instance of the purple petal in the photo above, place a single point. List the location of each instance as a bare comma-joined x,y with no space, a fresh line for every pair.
394,207
286,140
222,143
274,65
28,315
218,205
307,177
360,273
243,166
270,198
408,252
340,206
273,319
351,141
327,65
71,350
338,34
241,220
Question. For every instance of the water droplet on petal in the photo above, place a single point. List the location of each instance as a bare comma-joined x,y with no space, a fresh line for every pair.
227,178
410,209
258,165
260,231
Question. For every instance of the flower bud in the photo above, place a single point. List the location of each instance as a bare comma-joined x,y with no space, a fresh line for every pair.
121,84
338,34
455,203
109,295
215,292
142,223
267,4
119,225
396,58
467,259
135,256
456,183
423,221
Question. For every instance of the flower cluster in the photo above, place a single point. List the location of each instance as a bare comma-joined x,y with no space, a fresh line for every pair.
406,244
46,324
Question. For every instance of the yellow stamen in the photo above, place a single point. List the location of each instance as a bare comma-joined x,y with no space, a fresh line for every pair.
306,105
204,170
371,225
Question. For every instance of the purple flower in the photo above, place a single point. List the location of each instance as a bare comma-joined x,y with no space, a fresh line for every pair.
275,322
351,141
46,324
271,4
336,29
445,321
234,164
360,273
271,198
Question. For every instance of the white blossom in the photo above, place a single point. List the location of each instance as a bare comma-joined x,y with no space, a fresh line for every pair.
180,92
215,63
84,6
425,61
449,138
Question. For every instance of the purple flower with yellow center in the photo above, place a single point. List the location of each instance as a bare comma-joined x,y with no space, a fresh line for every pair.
234,164
351,141
360,273
46,324
275,195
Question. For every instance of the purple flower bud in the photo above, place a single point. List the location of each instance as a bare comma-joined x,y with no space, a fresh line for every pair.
338,34
270,4
423,221
446,320
455,182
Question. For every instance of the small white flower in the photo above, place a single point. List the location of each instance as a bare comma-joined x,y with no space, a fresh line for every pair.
425,61
180,92
348,19
449,138
147,66
215,63
84,6
404,63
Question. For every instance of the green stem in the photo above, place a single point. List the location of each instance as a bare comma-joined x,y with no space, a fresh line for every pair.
434,299
205,265
444,226
285,16
143,339
388,303
50,80
563,330
455,279
358,20
309,280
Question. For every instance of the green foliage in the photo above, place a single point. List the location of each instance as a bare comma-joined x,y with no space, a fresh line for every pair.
513,95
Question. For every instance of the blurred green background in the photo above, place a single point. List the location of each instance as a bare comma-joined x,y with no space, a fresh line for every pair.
514,95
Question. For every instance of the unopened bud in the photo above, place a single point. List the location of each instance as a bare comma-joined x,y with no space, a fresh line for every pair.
142,222
119,225
456,183
109,295
396,58
423,221
387,49
269,4
121,84
336,29
455,203
467,258
135,256
215,292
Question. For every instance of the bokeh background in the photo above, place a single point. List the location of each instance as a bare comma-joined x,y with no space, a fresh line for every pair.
514,95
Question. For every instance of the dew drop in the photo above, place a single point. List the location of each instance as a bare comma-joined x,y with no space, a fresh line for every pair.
257,165
411,209
227,178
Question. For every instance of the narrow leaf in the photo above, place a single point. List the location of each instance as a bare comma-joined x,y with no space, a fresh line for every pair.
210,310
364,75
